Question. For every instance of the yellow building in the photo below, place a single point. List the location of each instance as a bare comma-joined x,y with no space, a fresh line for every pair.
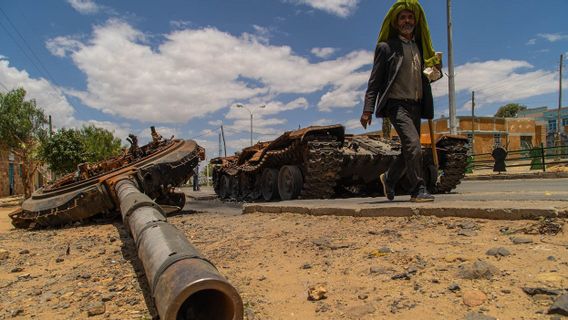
488,132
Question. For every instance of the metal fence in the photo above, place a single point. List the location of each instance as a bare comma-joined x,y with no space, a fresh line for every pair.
537,158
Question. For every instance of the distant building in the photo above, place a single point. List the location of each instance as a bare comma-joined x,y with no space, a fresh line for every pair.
489,132
11,175
550,118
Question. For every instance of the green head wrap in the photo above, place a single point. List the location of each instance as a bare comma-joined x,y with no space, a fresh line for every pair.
388,29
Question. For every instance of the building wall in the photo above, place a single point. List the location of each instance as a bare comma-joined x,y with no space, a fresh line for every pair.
509,132
546,115
4,175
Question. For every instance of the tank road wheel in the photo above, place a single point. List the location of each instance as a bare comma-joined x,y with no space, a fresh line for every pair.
290,182
269,184
225,187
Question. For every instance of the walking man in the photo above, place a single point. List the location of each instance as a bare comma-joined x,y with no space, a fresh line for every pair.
196,178
401,92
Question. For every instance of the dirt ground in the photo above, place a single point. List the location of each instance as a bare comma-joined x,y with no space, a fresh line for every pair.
370,268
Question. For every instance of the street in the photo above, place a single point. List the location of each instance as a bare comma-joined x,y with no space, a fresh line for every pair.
517,190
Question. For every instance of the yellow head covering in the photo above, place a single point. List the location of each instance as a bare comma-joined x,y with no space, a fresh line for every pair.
388,29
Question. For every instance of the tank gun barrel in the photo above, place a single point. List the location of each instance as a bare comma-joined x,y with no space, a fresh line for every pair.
184,284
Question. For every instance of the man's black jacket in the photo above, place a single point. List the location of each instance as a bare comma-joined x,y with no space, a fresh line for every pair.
387,63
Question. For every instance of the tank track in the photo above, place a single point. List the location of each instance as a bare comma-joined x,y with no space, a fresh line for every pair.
274,158
320,160
322,166
453,165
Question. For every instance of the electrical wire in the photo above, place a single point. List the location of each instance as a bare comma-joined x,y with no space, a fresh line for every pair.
28,46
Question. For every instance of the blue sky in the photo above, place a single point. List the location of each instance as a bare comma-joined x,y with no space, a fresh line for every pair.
182,66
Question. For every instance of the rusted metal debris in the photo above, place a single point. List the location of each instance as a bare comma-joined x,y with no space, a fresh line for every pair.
159,167
183,283
324,162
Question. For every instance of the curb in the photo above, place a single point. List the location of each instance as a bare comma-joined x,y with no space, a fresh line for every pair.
492,213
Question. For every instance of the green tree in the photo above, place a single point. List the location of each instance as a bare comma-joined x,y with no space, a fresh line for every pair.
68,148
22,130
99,143
509,110
63,151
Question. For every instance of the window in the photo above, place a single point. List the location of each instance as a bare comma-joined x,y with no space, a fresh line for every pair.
497,139
551,125
565,122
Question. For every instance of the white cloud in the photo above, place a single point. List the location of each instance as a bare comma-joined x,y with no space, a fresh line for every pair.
263,123
499,81
354,124
180,24
194,72
119,130
347,92
61,46
165,132
553,37
215,123
48,97
84,6
341,8
531,42
262,34
323,122
323,52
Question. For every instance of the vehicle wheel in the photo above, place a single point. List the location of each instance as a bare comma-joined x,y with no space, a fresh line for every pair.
225,187
269,184
290,182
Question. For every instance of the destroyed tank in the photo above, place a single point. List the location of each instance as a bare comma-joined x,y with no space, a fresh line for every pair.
157,168
323,162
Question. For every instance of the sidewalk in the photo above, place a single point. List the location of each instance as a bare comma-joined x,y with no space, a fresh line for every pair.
552,172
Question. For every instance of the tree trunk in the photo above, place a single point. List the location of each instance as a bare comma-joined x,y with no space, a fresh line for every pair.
29,167
25,177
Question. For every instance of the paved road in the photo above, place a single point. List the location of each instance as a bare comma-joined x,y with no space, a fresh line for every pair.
517,190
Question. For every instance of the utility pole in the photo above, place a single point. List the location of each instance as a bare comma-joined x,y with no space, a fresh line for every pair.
472,121
50,127
224,144
251,128
451,85
559,120
220,150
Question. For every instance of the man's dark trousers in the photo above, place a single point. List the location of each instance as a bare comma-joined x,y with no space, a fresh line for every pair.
405,117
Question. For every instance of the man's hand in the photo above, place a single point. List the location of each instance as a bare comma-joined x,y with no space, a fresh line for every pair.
366,118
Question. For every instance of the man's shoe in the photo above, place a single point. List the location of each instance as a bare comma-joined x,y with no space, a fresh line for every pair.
421,196
387,190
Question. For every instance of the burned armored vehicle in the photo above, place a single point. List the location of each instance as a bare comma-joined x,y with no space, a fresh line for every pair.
158,167
324,162
139,185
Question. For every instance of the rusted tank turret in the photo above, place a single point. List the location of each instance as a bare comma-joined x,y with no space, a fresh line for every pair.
323,162
159,166
138,184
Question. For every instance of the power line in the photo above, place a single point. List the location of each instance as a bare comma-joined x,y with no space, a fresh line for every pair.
27,45
20,47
